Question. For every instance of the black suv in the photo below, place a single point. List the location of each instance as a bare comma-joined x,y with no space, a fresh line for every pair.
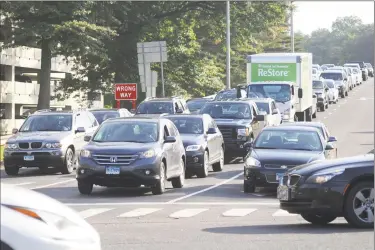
130,152
168,105
238,121
48,139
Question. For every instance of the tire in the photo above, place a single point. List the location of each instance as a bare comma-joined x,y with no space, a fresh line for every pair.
68,165
248,189
11,171
85,187
317,219
203,172
218,166
346,93
352,201
323,108
343,95
159,188
327,105
179,181
314,115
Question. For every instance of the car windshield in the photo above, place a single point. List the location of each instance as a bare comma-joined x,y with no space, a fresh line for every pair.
368,65
155,108
47,123
278,92
263,107
230,94
101,116
227,110
317,85
195,105
188,125
127,131
332,76
289,139
330,84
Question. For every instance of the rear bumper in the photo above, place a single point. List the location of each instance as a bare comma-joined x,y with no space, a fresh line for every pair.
52,158
261,177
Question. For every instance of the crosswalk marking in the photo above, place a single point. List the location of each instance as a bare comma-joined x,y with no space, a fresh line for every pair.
139,212
282,213
240,212
93,211
186,213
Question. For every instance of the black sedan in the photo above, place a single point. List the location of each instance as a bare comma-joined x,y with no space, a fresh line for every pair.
203,143
280,148
324,190
130,152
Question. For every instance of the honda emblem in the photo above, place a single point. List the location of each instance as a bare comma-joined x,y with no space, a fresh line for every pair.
113,159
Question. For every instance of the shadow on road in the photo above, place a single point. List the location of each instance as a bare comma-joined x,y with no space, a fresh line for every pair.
287,229
30,172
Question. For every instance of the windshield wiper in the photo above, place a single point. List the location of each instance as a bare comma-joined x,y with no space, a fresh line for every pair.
264,148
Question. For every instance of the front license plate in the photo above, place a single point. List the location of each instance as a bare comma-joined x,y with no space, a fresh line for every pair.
279,176
283,193
112,170
28,158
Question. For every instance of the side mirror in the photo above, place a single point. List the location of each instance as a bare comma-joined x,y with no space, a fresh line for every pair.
329,147
332,139
211,131
300,93
170,139
87,138
275,111
80,130
259,117
314,96
292,90
179,111
15,131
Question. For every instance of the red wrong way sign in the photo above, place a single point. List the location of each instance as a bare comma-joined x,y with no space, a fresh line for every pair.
126,91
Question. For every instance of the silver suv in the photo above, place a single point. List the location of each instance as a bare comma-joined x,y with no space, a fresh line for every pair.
48,139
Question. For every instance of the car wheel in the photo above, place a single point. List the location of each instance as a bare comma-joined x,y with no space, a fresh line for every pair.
85,187
68,165
314,115
346,93
11,170
218,166
179,181
317,219
323,108
359,205
248,188
159,188
327,105
203,172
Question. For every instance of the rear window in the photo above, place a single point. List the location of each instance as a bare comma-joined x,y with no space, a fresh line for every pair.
332,76
317,84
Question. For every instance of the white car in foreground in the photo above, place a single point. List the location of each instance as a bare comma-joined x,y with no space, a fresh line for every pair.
33,221
333,92
358,75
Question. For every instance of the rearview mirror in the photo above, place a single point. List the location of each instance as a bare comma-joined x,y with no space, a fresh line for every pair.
329,147
332,139
275,111
15,131
211,131
80,130
170,139
87,138
259,117
300,93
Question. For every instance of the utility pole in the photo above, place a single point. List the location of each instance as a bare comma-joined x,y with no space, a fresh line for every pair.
291,26
228,45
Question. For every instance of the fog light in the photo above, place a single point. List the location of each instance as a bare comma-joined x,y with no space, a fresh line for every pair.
241,146
82,171
196,159
147,172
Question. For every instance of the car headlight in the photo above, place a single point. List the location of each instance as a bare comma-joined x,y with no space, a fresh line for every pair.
11,146
53,145
193,147
148,154
324,176
243,132
85,153
252,163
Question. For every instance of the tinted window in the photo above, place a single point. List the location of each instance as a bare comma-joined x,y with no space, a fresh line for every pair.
278,92
47,123
93,120
101,116
332,76
229,94
263,106
330,84
318,85
188,125
155,108
127,131
195,105
227,110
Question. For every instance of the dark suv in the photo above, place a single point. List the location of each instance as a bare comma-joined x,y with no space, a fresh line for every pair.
130,152
238,121
156,106
48,139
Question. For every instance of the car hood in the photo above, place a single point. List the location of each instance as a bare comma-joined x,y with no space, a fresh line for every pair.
39,136
191,139
119,148
285,157
232,122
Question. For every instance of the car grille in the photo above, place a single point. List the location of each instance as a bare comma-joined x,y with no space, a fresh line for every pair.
24,145
278,166
114,159
320,99
228,133
36,144
293,179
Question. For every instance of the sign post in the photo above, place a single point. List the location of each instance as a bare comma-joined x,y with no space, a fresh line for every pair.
125,92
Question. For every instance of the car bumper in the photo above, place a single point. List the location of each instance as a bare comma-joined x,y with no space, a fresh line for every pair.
194,160
42,158
320,103
141,172
315,198
237,147
261,177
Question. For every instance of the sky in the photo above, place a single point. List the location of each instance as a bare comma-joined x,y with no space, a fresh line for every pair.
311,16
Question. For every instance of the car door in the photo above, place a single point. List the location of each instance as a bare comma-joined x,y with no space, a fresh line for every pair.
176,146
80,121
168,151
212,139
276,117
256,125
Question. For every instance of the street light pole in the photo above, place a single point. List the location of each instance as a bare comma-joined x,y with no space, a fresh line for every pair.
291,26
228,46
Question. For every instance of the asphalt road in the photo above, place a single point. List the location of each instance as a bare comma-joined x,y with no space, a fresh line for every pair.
214,213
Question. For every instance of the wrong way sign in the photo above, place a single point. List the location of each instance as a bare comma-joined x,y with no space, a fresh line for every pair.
126,91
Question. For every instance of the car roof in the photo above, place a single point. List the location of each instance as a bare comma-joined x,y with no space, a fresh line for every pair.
304,124
186,116
103,109
54,112
261,99
290,127
199,99
332,71
369,158
244,101
133,118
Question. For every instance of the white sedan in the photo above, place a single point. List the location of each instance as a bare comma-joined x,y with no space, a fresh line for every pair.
333,92
358,75
33,221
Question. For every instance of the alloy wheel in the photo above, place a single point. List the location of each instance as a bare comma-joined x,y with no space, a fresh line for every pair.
363,205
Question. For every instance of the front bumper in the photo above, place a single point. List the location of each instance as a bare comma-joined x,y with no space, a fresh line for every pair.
315,198
236,147
262,177
41,158
194,160
141,172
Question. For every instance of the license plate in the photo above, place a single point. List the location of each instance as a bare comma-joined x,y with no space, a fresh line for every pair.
28,158
283,193
112,170
279,176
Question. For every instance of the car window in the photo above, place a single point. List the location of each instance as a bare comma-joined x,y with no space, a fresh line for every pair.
47,123
263,107
86,120
93,120
103,115
273,105
188,125
80,121
166,131
227,110
331,75
254,110
155,108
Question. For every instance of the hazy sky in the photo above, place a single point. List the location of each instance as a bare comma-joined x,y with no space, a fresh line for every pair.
310,16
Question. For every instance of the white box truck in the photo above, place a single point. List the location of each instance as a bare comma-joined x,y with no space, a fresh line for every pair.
286,78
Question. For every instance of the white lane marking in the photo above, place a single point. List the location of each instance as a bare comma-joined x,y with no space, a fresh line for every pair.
259,195
239,212
206,189
23,183
335,109
54,184
362,99
176,204
282,213
139,212
329,113
186,213
325,117
93,211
